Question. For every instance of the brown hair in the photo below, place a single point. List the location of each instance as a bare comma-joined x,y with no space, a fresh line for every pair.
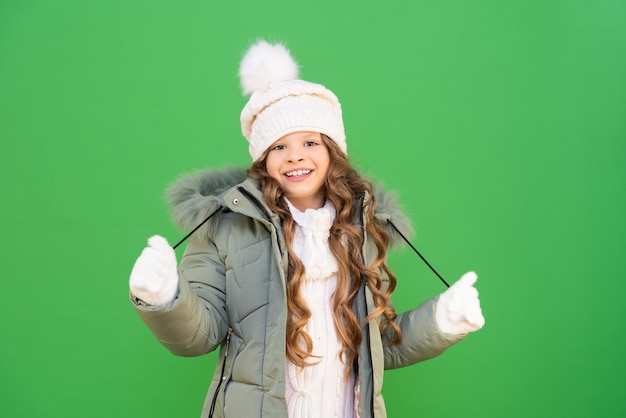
345,245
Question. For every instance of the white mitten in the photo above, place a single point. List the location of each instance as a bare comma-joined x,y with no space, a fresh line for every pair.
154,278
458,308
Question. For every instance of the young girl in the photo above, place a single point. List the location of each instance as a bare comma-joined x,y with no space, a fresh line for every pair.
288,275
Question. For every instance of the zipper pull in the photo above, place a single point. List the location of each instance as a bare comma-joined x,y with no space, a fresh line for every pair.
230,331
222,378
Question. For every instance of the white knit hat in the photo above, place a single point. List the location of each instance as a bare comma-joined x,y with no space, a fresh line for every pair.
281,103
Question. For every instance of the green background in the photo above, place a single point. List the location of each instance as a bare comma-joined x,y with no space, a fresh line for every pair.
501,124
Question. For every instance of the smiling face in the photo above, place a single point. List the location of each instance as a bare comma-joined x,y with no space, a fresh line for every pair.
299,163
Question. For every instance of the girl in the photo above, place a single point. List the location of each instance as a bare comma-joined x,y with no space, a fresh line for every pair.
287,274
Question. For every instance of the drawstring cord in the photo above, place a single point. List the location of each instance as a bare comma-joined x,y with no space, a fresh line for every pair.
222,377
389,221
418,253
195,229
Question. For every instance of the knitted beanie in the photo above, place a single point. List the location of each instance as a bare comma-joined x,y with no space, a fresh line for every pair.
280,103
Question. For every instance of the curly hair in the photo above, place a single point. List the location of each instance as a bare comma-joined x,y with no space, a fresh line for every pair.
345,243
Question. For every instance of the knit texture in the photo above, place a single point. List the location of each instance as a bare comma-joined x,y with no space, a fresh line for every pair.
280,103
318,391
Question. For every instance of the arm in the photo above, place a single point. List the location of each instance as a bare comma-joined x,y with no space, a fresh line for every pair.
430,329
421,337
194,321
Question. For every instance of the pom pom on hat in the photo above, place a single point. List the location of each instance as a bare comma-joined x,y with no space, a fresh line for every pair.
264,63
280,103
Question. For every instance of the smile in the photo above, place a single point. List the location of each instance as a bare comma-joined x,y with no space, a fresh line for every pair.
297,173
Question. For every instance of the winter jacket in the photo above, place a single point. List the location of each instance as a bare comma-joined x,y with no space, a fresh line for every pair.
231,295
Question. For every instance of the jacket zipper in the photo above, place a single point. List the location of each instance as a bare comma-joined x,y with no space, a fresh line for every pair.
222,377
256,203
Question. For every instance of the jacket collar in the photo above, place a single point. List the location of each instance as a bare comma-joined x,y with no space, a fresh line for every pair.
193,197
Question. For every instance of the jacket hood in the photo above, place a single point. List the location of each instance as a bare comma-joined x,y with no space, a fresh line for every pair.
194,197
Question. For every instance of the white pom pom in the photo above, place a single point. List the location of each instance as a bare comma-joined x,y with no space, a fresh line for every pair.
264,63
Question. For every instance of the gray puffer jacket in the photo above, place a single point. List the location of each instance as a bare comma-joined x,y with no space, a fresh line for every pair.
231,294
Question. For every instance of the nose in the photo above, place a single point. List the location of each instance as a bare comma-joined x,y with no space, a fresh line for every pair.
295,155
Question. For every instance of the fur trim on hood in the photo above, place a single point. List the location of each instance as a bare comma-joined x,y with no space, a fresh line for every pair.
193,197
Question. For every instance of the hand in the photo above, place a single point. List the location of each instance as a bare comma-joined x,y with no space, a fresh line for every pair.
458,308
154,278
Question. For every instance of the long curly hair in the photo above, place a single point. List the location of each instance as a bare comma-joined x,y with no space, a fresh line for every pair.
343,186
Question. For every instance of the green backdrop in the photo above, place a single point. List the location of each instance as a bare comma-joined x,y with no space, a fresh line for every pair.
501,124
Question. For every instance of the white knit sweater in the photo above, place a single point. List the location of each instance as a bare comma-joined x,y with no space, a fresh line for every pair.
318,391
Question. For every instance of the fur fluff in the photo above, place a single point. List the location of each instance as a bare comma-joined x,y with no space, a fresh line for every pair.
195,196
264,63
388,209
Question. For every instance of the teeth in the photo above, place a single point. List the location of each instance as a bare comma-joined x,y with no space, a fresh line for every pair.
297,173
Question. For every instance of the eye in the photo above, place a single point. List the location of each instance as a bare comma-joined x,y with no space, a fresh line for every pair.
310,143
278,147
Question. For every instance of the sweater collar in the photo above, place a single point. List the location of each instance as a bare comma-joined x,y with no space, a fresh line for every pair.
313,219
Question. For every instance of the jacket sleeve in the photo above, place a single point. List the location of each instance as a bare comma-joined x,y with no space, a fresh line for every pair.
421,337
196,321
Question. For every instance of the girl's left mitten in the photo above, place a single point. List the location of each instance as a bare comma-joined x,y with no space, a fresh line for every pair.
458,308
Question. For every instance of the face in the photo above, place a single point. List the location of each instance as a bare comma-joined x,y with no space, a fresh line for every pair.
299,163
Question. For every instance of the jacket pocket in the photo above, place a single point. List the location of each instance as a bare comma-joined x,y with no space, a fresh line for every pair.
227,358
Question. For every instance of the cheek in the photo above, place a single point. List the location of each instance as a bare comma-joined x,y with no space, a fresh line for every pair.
324,160
272,167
